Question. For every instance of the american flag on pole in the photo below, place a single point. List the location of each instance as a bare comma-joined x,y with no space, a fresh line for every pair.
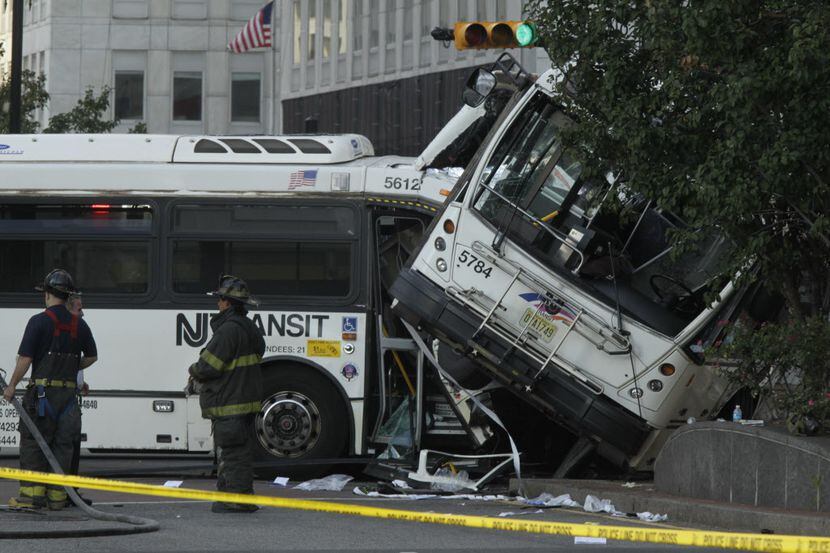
256,33
307,177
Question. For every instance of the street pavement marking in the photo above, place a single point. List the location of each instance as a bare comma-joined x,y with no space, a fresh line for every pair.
698,538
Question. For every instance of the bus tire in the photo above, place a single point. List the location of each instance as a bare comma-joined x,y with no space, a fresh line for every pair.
302,418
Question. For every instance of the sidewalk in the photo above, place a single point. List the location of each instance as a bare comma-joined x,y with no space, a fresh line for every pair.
682,510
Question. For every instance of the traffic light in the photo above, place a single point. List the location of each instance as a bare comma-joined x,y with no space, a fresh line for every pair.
479,35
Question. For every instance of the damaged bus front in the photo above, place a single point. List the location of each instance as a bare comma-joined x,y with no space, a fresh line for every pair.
564,290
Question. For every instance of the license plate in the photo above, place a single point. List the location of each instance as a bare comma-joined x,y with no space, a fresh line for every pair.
539,323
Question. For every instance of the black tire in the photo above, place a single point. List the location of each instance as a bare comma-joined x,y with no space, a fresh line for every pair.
303,417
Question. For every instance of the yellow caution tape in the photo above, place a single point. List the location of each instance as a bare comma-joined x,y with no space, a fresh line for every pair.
700,538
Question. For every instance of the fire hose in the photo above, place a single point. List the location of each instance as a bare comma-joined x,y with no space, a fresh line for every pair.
138,525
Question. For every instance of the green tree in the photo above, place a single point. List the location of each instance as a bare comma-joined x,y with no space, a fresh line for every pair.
86,116
719,111
33,96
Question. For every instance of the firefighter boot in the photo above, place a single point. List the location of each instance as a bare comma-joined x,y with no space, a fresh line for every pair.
56,499
221,507
31,497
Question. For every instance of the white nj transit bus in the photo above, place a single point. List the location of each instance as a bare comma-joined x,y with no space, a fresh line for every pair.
552,293
316,225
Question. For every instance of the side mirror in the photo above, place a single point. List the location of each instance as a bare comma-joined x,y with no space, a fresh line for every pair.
480,84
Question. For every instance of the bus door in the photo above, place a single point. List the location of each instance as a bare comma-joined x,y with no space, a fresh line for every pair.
445,421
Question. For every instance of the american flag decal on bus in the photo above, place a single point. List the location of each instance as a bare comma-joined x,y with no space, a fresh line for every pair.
306,177
256,33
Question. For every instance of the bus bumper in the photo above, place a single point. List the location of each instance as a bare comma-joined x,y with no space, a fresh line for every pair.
619,433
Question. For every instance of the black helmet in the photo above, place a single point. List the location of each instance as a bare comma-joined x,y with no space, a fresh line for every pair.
59,283
234,288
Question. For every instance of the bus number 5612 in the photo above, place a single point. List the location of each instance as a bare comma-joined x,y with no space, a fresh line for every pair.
400,183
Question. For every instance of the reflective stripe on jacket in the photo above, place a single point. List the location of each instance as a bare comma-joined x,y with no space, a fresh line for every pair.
228,368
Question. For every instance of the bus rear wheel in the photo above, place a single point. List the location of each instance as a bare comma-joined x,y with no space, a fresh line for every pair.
302,418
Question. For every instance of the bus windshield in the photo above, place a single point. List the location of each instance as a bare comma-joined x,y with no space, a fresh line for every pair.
590,230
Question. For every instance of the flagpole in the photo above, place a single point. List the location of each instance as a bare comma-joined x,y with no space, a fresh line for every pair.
274,64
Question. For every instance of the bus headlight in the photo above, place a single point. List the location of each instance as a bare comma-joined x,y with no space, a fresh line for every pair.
441,265
440,244
655,385
636,393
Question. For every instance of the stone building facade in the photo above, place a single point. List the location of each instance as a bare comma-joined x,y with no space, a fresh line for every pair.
168,63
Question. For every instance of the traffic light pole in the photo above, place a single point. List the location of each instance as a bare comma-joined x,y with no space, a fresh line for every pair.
16,81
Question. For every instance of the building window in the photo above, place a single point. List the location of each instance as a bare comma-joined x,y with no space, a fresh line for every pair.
501,9
374,24
189,9
327,28
390,23
130,9
444,15
129,95
242,10
187,96
341,27
481,11
407,20
312,28
426,18
298,37
357,26
245,97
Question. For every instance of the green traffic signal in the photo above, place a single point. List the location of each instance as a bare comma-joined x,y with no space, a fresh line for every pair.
480,35
526,34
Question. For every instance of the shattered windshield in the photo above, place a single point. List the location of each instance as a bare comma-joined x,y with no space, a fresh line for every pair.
618,245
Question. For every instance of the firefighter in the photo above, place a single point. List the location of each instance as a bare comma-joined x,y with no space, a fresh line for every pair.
228,379
57,344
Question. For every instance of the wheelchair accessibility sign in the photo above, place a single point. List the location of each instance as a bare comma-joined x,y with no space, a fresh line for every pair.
349,324
349,329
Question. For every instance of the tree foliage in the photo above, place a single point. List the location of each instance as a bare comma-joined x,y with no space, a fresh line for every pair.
88,115
33,97
719,111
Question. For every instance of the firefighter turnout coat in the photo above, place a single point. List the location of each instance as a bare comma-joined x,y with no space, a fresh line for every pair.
228,372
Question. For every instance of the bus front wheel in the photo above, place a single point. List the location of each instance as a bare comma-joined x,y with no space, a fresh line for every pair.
302,419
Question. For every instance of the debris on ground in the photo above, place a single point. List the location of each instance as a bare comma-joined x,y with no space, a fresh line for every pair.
446,480
592,505
418,496
331,483
548,500
521,513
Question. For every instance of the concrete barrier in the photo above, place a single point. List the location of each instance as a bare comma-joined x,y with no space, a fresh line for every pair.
759,466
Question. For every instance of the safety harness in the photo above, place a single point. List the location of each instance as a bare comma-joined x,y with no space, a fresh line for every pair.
57,363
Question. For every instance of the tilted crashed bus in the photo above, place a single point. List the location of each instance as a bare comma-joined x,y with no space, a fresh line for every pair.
584,314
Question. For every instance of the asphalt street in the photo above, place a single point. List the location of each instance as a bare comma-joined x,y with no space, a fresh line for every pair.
190,526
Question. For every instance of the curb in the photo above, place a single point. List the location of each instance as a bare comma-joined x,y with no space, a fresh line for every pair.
710,514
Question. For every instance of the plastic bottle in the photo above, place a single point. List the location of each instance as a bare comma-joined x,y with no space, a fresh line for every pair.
737,414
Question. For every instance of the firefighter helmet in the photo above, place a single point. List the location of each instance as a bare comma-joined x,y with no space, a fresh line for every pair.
59,283
234,288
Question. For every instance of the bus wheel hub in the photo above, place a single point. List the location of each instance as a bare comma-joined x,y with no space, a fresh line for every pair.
288,425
